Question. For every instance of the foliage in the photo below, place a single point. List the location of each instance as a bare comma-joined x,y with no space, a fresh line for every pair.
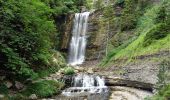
119,1
98,4
60,7
132,10
153,33
113,52
159,31
28,34
129,15
44,88
69,71
25,35
47,71
3,88
89,4
56,63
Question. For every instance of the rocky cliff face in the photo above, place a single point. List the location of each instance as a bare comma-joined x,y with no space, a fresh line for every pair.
103,34
97,34
66,35
96,37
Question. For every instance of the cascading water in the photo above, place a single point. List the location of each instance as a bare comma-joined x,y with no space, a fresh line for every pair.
84,84
78,40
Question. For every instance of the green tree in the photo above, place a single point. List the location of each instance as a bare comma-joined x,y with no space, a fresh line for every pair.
25,31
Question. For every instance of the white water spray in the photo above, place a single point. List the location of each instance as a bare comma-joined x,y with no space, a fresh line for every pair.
83,83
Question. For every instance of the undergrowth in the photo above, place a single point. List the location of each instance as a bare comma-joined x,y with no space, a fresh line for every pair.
44,88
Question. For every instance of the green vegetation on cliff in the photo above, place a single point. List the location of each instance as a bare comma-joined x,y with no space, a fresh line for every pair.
149,28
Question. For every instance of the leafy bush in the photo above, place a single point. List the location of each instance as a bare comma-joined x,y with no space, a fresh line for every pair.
128,22
60,7
25,31
69,71
44,88
28,32
133,9
161,28
158,32
47,71
119,1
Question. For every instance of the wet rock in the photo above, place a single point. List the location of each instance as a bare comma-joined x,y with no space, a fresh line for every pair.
76,71
130,83
90,71
80,69
19,85
57,73
8,84
61,71
33,97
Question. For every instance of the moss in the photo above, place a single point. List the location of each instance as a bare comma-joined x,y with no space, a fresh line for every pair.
44,88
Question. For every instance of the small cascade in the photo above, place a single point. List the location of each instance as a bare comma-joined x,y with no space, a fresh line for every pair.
84,84
78,40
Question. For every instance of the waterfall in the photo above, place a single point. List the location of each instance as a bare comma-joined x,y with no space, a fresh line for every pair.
78,40
83,80
83,84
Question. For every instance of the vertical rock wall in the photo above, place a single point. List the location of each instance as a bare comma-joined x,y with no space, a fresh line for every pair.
67,30
96,37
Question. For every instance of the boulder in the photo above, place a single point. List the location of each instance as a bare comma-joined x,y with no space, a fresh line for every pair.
90,71
33,97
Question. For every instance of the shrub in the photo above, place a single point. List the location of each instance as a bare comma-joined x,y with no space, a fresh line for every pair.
128,22
44,88
69,71
158,32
